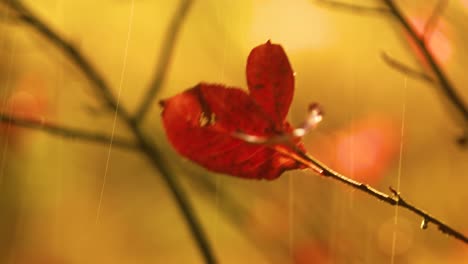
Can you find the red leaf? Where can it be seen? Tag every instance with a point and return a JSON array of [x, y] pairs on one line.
[[271, 80], [203, 121]]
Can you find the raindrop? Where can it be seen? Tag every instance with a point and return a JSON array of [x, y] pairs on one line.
[[424, 223]]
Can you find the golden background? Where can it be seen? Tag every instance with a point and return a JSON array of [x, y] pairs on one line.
[[70, 201]]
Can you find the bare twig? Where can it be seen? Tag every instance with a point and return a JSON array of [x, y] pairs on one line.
[[434, 19], [67, 132], [405, 69], [426, 217], [147, 148], [354, 7], [445, 84], [167, 48], [394, 200]]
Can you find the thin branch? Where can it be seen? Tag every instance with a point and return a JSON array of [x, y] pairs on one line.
[[434, 19], [405, 69], [426, 217], [147, 148], [394, 200], [154, 155], [66, 132], [166, 52], [69, 50], [354, 8], [447, 87]]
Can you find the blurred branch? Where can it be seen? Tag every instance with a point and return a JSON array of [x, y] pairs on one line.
[[146, 146], [405, 69], [353, 7], [441, 78], [395, 199], [463, 139], [434, 19], [447, 87], [166, 52], [232, 210], [71, 133], [26, 15]]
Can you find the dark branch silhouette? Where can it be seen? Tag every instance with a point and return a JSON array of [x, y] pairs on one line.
[[66, 132], [167, 49], [146, 146], [420, 40], [69, 50], [405, 69], [444, 83], [354, 7]]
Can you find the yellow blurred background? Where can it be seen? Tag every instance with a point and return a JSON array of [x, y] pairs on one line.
[[69, 201]]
